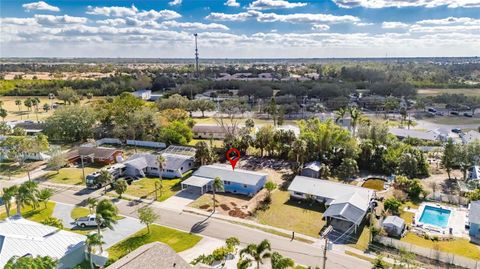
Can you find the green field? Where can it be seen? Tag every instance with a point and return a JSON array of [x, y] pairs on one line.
[[38, 215], [176, 239], [433, 92]]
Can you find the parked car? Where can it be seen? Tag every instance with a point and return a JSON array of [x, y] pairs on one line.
[[439, 113], [457, 130], [468, 114], [431, 109], [454, 113], [87, 221]]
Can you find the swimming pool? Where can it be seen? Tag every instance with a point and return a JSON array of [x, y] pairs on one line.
[[435, 216]]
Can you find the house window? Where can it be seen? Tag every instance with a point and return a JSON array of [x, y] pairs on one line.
[[245, 186]]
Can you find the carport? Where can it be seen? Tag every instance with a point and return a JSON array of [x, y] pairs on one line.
[[196, 184]]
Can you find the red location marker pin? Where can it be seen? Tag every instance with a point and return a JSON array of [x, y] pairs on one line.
[[233, 160]]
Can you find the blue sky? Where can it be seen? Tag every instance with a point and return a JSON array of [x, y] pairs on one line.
[[240, 28]]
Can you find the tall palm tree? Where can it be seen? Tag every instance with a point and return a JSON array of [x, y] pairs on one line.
[[91, 203], [26, 195], [44, 195], [340, 114], [161, 164], [8, 194], [257, 252], [93, 240], [356, 117], [106, 213], [217, 184]]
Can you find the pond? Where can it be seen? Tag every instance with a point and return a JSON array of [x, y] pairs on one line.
[[374, 184]]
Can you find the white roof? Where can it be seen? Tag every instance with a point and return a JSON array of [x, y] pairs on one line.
[[315, 166], [197, 181], [423, 135], [226, 173], [394, 220], [19, 237]]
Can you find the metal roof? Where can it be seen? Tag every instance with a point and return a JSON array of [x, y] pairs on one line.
[[474, 214], [315, 166], [175, 161], [181, 150], [423, 135], [197, 181], [226, 173], [394, 220], [21, 237], [172, 161]]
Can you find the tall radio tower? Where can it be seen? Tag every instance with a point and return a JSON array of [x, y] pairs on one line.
[[196, 57]]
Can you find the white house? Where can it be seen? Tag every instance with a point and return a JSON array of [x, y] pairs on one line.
[[143, 94], [346, 204], [19, 237]]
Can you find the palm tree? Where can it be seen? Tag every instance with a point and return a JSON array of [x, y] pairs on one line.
[[91, 203], [104, 178], [280, 262], [3, 113], [26, 195], [161, 164], [106, 213], [8, 194], [356, 118], [18, 103], [93, 240], [44, 195], [257, 252], [217, 184], [340, 114]]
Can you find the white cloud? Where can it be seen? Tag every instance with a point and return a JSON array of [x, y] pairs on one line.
[[394, 25], [273, 4], [232, 3], [320, 27], [445, 28], [40, 5], [291, 18], [112, 22], [407, 3], [53, 20], [113, 11], [363, 23], [18, 21], [450, 21], [175, 2], [194, 25]]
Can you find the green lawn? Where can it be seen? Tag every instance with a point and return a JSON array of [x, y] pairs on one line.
[[453, 120], [176, 239], [69, 175], [458, 246], [78, 212], [145, 188], [292, 215], [37, 215], [9, 169], [363, 235]]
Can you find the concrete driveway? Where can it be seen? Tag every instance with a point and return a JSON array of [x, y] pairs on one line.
[[123, 229], [180, 200], [63, 211]]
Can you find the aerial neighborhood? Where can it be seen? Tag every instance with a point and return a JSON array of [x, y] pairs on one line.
[[272, 161]]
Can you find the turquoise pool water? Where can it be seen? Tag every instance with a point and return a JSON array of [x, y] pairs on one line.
[[435, 216]]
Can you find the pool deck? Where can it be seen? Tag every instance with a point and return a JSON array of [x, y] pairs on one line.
[[456, 221]]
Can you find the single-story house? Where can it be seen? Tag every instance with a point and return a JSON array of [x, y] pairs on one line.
[[311, 169], [422, 135], [19, 237], [143, 94], [30, 127], [394, 226], [346, 204], [474, 219], [101, 155], [234, 181], [203, 131], [146, 164], [152, 256]]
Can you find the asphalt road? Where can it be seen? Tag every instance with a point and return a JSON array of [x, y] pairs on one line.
[[303, 253]]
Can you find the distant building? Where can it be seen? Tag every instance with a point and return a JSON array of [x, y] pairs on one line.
[[100, 155], [394, 226], [474, 219], [236, 181], [201, 131], [152, 256], [143, 94], [20, 237], [30, 127], [346, 204], [311, 169], [422, 135]]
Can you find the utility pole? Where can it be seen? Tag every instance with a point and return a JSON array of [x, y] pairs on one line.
[[325, 236], [197, 74]]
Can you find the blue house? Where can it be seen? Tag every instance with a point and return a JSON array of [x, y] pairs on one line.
[[474, 219], [234, 181]]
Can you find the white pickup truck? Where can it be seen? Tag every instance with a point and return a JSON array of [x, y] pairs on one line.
[[89, 220]]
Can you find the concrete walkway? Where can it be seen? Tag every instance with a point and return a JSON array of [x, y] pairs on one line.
[[63, 211]]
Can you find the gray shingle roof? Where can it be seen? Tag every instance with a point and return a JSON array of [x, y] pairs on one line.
[[346, 211], [175, 161], [394, 220], [423, 135], [226, 173], [474, 214], [139, 163]]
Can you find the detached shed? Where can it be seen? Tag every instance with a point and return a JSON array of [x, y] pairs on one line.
[[394, 226]]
